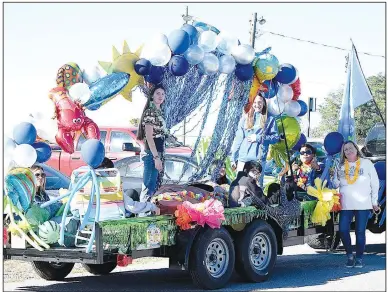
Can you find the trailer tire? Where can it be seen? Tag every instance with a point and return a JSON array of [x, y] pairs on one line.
[[212, 259], [52, 271], [317, 241], [256, 252], [100, 269]]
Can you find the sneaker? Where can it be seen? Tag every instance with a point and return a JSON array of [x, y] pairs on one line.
[[358, 263], [350, 262]]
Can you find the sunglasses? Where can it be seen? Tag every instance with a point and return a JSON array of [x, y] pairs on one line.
[[308, 152], [40, 175]]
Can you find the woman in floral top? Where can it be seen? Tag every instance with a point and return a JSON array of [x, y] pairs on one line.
[[152, 129]]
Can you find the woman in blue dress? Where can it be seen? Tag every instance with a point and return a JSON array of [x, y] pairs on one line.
[[256, 131]]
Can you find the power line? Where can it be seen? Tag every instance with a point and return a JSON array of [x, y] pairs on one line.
[[320, 44]]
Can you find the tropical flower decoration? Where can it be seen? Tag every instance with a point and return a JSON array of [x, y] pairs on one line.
[[183, 218], [326, 200], [337, 203], [210, 212]]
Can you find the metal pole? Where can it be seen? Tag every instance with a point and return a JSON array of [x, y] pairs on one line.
[[186, 19], [253, 31], [308, 127]]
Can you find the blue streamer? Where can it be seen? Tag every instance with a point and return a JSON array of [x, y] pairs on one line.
[[90, 205], [325, 174], [80, 184], [96, 192]]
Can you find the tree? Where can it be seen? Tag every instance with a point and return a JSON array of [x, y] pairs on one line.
[[366, 115]]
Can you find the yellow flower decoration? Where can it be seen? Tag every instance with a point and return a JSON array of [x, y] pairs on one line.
[[326, 200], [24, 225], [13, 229]]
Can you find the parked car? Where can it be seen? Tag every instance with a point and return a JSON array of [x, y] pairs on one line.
[[55, 180], [375, 143], [132, 168], [113, 139]]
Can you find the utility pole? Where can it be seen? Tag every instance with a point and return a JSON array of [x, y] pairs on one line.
[[186, 18], [253, 29], [312, 107]]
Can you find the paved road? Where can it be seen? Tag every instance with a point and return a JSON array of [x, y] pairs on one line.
[[300, 268]]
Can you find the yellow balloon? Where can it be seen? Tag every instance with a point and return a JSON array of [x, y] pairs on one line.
[[125, 63], [292, 132]]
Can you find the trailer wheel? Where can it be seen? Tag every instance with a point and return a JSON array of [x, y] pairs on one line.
[[101, 269], [52, 271], [212, 259], [317, 241], [256, 252]]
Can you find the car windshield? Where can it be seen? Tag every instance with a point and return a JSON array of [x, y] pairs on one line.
[[55, 179], [375, 140]]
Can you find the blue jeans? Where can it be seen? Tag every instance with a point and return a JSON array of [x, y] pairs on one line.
[[346, 217], [150, 177]]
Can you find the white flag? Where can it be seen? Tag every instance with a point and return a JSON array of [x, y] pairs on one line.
[[359, 90]]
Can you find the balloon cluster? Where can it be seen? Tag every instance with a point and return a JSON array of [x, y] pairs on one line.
[[24, 150], [200, 45], [279, 84]]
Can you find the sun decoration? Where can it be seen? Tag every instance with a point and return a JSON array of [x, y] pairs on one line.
[[356, 172], [125, 63]]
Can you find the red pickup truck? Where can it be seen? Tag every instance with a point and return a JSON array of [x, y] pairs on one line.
[[113, 139]]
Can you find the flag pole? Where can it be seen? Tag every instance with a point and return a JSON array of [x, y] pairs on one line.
[[374, 101]]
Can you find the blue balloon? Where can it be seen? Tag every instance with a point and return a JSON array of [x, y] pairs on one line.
[[143, 67], [272, 86], [303, 108], [381, 170], [94, 107], [106, 87], [43, 151], [93, 152], [24, 133], [155, 76], [204, 26], [192, 31], [302, 140], [287, 74], [178, 65], [333, 143], [178, 41], [244, 72]]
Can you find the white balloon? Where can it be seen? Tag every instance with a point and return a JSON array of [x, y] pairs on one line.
[[158, 54], [209, 65], [80, 91], [9, 146], [226, 42], [9, 163], [158, 39], [24, 155], [227, 64], [275, 107], [91, 74], [292, 108], [285, 93], [194, 55], [243, 54], [208, 41]]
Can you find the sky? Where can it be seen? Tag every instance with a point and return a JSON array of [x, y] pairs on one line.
[[40, 38]]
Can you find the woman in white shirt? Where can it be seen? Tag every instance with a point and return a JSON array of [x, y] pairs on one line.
[[358, 182]]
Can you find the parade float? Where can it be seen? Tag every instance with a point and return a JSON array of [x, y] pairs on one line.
[[196, 64]]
